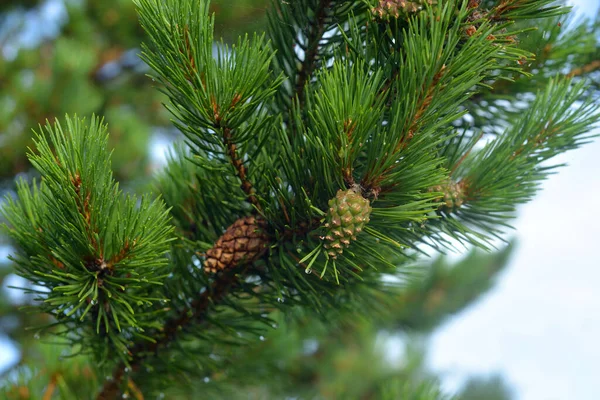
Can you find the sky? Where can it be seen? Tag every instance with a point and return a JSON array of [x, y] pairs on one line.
[[540, 325]]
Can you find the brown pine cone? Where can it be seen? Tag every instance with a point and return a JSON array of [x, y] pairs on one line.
[[244, 241]]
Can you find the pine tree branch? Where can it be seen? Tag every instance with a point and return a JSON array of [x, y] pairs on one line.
[[425, 101], [196, 313], [315, 35], [225, 284], [585, 69], [496, 14], [507, 10], [234, 157], [50, 388], [371, 183], [466, 154], [479, 199], [502, 86], [238, 164]]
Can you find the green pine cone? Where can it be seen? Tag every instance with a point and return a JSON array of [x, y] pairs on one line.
[[348, 214], [454, 195], [393, 9]]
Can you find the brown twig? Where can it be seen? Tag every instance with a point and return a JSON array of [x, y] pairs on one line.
[[317, 29], [585, 69], [347, 169], [49, 392], [134, 389], [503, 86], [425, 103], [240, 168], [371, 183], [497, 13], [231, 147]]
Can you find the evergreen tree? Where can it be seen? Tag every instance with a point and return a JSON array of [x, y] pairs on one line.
[[319, 161]]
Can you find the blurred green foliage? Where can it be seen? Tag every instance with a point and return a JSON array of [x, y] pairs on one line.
[[92, 67]]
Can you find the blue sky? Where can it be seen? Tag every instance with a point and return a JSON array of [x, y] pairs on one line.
[[540, 326]]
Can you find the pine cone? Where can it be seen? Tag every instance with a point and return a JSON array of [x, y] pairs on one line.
[[348, 214], [387, 9], [244, 241], [454, 195]]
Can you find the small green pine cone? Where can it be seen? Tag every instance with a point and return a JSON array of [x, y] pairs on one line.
[[348, 214], [388, 9], [453, 197]]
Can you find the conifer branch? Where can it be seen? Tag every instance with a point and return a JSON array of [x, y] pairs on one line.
[[196, 313], [231, 147], [315, 34], [496, 14], [585, 69], [238, 164], [401, 140], [424, 101], [502, 87], [508, 9], [371, 183], [479, 199], [466, 154]]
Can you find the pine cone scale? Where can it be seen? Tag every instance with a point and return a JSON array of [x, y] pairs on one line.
[[244, 241]]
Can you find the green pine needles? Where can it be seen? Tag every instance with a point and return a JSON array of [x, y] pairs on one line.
[[385, 102], [96, 254]]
